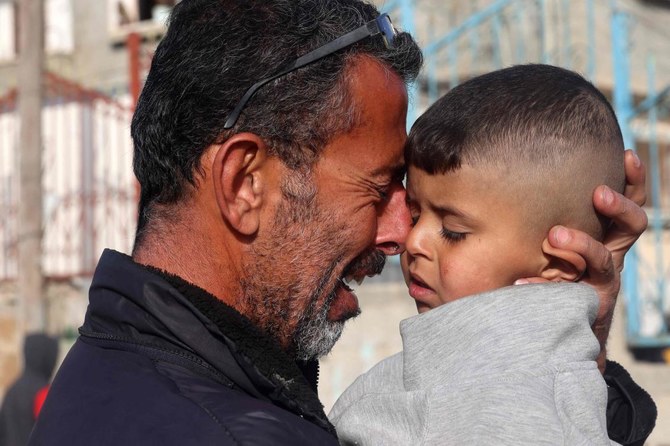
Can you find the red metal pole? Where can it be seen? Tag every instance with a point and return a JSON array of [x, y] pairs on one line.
[[134, 66]]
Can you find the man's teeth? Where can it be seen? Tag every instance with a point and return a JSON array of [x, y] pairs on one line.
[[348, 279]]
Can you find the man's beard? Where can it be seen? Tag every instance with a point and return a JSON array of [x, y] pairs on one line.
[[316, 335], [282, 293]]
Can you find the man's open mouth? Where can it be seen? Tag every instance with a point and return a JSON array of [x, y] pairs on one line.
[[345, 304], [367, 265], [347, 284]]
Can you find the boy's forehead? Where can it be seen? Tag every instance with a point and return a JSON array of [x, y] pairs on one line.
[[465, 178], [469, 191]]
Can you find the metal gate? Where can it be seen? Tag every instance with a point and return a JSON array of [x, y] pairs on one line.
[[645, 126], [89, 188]]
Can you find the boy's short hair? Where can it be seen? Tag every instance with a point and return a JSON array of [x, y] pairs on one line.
[[552, 131]]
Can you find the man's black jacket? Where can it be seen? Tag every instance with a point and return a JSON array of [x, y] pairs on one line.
[[162, 362], [631, 413]]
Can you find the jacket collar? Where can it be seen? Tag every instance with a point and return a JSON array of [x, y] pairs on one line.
[[192, 319]]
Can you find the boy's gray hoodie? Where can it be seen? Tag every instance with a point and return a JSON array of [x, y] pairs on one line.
[[515, 366]]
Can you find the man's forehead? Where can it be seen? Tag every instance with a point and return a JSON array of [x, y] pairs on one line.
[[374, 147]]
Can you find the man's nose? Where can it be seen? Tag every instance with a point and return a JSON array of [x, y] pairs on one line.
[[393, 222]]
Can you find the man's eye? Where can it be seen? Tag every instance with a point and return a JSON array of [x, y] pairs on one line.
[[451, 236], [383, 193]]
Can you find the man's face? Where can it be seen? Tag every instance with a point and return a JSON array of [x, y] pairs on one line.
[[469, 236], [348, 213]]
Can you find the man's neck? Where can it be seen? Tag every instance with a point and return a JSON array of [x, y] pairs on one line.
[[187, 250]]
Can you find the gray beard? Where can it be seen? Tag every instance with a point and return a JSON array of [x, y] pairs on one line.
[[316, 335], [313, 335]]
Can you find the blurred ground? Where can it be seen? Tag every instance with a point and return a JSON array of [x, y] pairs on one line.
[[374, 335]]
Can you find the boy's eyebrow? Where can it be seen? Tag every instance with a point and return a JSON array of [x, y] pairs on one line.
[[443, 210], [448, 210]]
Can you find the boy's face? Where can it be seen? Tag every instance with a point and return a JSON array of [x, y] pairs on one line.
[[469, 236]]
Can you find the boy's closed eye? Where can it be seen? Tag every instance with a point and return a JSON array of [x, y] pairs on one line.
[[452, 236]]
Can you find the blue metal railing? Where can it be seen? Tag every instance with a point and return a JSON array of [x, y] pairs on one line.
[[643, 295]]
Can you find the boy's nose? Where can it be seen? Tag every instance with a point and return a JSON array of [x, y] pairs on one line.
[[417, 241], [393, 222]]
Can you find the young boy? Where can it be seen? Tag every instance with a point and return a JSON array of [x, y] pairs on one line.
[[492, 166]]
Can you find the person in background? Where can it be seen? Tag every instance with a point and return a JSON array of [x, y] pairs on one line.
[[25, 396]]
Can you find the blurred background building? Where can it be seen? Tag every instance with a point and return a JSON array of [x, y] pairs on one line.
[[97, 53]]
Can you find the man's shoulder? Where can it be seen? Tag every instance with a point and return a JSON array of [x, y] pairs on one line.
[[135, 399]]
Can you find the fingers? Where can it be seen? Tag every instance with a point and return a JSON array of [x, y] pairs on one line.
[[610, 203], [625, 211], [628, 219], [635, 178], [596, 255], [605, 260], [601, 273]]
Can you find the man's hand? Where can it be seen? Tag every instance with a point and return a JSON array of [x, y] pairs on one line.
[[604, 261]]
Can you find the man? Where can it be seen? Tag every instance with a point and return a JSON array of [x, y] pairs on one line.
[[268, 145]]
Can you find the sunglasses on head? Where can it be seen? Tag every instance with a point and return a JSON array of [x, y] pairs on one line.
[[381, 25]]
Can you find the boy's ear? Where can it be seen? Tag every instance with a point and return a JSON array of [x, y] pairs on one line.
[[238, 181], [563, 265]]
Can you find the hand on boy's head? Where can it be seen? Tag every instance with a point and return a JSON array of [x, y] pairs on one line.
[[628, 218], [604, 261]]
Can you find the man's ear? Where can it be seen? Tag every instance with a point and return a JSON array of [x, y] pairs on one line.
[[238, 181], [563, 265]]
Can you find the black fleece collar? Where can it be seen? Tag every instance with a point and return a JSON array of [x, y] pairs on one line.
[[284, 382]]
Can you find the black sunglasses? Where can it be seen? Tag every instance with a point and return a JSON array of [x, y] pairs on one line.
[[381, 25]]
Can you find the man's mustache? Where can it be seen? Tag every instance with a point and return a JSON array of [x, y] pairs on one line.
[[370, 264]]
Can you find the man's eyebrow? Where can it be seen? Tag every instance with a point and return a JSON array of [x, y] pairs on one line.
[[396, 172], [399, 173]]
